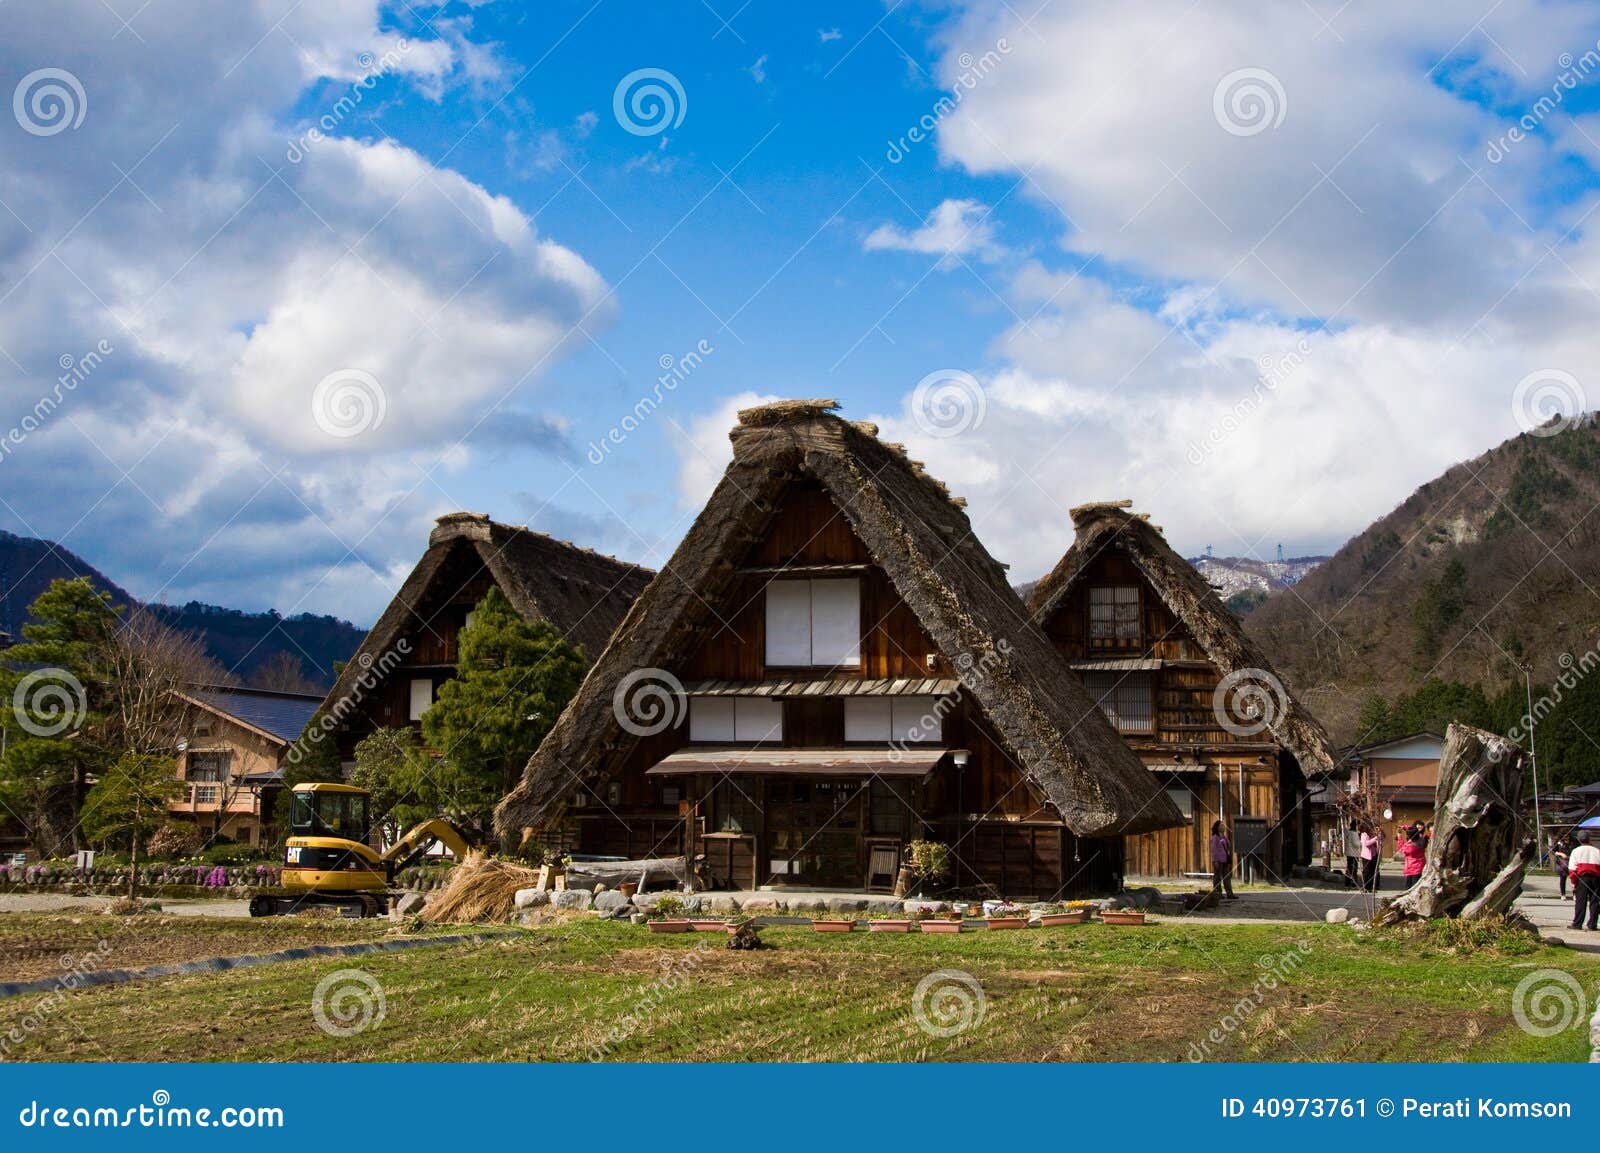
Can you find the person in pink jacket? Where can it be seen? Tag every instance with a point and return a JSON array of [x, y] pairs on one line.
[[1413, 853], [1371, 846]]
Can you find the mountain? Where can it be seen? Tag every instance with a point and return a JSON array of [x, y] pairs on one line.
[[1496, 562], [1245, 582], [260, 649]]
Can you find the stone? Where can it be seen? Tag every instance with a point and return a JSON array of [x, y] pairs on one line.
[[919, 906], [571, 899], [599, 888], [760, 906], [531, 898], [719, 906], [846, 904], [409, 903], [1141, 898], [1336, 916], [611, 901], [638, 918]]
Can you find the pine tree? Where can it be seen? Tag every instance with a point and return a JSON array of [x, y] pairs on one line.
[[513, 678]]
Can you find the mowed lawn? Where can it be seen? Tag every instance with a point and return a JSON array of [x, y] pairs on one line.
[[583, 989]]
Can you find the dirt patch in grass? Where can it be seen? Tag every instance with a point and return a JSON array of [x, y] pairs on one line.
[[35, 946]]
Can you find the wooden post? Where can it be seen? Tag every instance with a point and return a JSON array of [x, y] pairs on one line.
[[1478, 854]]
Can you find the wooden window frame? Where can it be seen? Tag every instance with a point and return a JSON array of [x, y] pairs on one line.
[[1114, 642]]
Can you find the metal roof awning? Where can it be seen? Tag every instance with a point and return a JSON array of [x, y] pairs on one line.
[[915, 761], [832, 687], [1174, 767], [1119, 665]]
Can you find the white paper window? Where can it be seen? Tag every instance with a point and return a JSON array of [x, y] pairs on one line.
[[757, 719], [814, 623], [789, 623], [735, 719], [421, 697], [867, 719], [836, 622], [711, 719], [904, 719], [1184, 799]]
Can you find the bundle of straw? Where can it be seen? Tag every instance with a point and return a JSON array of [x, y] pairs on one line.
[[480, 889]]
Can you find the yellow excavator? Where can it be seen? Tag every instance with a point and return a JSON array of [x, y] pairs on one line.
[[329, 863]]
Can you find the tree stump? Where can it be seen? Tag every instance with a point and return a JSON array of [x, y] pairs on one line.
[[1478, 854]]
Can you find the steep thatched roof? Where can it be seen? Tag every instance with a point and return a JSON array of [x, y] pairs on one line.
[[584, 594], [1192, 599], [923, 541]]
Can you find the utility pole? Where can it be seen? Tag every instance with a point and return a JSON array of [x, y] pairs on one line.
[[1533, 761]]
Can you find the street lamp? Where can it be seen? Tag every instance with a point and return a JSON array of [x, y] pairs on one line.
[[1533, 761]]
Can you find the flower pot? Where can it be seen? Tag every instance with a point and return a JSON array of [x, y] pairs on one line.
[[1122, 917], [941, 926], [707, 924], [889, 926], [628, 889], [1076, 917], [1007, 922], [826, 926], [668, 926]]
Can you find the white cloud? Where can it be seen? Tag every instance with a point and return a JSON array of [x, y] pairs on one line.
[[1393, 330], [704, 449], [954, 229], [241, 261]]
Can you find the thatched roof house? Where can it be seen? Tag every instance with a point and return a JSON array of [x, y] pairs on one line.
[[1177, 668], [894, 523], [412, 648]]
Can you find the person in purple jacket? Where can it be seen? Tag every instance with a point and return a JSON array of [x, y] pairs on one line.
[[1221, 861]]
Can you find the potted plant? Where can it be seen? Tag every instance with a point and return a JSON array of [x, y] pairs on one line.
[[1122, 916], [928, 862], [1007, 916], [833, 924], [667, 915], [889, 923], [702, 923], [930, 921], [1071, 913]]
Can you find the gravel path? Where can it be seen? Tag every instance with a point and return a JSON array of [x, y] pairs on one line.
[[63, 903]]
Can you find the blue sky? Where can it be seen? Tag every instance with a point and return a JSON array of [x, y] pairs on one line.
[[1261, 271]]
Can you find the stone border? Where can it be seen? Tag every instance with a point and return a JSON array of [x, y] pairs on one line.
[[76, 981]]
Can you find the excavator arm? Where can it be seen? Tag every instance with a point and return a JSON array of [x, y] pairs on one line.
[[416, 840]]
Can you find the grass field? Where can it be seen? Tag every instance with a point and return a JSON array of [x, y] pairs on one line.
[[582, 989]]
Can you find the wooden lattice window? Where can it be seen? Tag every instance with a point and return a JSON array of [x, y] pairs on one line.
[[1114, 617], [1125, 698]]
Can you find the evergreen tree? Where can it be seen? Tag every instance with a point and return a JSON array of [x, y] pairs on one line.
[[513, 678], [131, 800]]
